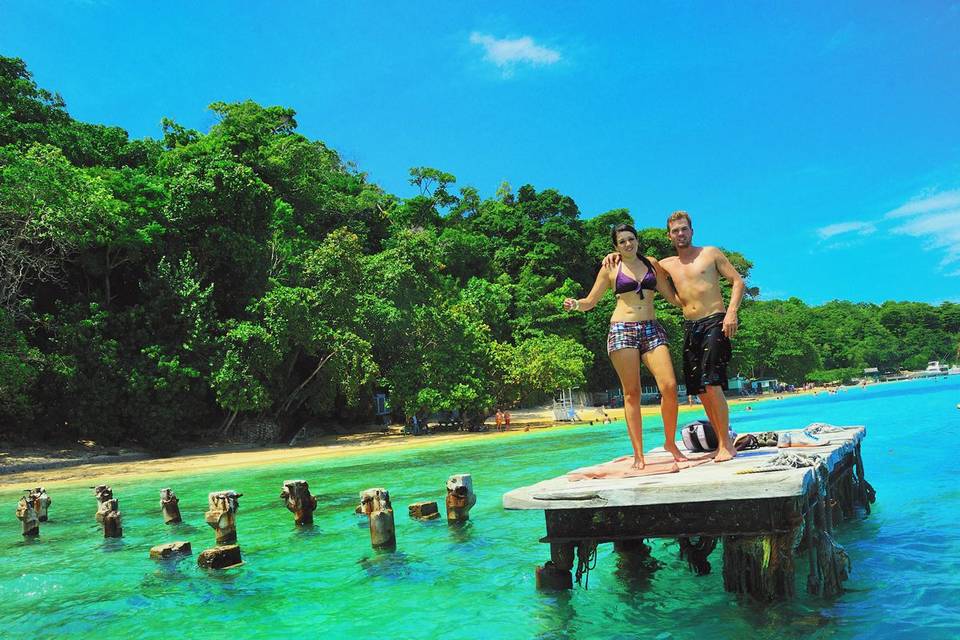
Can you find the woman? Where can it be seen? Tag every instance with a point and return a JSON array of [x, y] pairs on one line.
[[635, 335]]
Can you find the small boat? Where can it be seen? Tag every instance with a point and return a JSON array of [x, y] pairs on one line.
[[934, 369], [954, 370]]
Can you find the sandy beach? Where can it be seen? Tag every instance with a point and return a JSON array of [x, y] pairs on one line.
[[23, 468]]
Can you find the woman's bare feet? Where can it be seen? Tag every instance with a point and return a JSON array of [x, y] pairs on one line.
[[672, 449], [638, 462], [724, 454]]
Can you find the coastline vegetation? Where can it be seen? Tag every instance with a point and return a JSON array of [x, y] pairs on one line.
[[151, 289]]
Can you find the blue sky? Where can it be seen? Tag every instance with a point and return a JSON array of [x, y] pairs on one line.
[[822, 141]]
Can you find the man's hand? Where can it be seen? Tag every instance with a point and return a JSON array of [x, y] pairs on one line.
[[730, 324], [611, 260]]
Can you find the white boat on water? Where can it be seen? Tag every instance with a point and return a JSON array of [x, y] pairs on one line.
[[934, 368], [954, 370]]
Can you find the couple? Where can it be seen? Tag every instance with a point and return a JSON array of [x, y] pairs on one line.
[[691, 280]]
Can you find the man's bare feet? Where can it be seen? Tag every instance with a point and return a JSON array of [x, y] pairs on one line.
[[724, 454], [638, 463], [672, 449]]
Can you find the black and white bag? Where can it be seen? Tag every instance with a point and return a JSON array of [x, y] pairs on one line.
[[699, 436]]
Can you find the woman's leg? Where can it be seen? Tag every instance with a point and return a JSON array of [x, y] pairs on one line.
[[627, 364], [659, 364]]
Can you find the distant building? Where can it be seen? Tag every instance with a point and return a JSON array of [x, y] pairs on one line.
[[768, 385], [739, 384], [871, 373]]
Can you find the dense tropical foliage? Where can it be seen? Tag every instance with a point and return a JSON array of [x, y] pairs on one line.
[[154, 289]]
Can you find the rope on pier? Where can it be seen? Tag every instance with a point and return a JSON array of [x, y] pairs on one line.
[[696, 551], [784, 461], [821, 427], [586, 561], [832, 562]]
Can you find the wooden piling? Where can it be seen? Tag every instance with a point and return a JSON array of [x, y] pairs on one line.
[[222, 515], [27, 515], [814, 579], [460, 497], [556, 574], [296, 496], [170, 507], [375, 503], [760, 566], [41, 503], [108, 512]]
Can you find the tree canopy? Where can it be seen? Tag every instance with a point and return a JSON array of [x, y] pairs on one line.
[[151, 290]]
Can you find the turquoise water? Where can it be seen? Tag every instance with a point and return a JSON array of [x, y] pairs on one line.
[[478, 581]]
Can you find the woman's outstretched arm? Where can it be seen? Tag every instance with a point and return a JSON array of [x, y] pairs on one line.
[[600, 286]]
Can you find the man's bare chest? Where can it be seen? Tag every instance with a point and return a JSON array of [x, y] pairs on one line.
[[699, 273]]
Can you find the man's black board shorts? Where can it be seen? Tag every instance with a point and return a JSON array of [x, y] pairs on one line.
[[706, 352]]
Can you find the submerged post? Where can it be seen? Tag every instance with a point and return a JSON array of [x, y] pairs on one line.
[[296, 495], [555, 574], [27, 515], [222, 515], [170, 550], [41, 502], [424, 511], [375, 503], [169, 506], [108, 513], [460, 497], [760, 566]]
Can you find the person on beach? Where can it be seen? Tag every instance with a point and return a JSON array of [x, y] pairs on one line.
[[695, 273], [635, 335], [506, 420], [499, 420]]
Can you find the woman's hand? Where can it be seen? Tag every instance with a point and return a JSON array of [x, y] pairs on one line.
[[571, 304]]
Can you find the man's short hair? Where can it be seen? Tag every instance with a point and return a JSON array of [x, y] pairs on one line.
[[679, 215]]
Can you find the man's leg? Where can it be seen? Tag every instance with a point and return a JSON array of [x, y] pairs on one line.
[[715, 404]]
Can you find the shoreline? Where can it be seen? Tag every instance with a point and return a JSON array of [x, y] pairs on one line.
[[43, 467]]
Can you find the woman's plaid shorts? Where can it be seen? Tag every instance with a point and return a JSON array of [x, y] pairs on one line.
[[644, 336]]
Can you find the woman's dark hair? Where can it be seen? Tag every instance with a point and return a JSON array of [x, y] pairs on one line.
[[622, 227]]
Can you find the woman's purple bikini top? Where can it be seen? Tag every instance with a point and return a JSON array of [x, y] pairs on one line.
[[626, 284]]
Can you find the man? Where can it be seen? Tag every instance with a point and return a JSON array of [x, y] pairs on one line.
[[709, 324]]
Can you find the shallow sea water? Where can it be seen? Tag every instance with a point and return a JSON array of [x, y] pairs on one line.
[[478, 581]]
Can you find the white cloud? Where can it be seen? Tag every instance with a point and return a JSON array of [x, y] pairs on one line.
[[927, 204], [507, 52], [860, 228], [940, 231]]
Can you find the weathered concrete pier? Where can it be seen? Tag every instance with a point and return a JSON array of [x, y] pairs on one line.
[[763, 518]]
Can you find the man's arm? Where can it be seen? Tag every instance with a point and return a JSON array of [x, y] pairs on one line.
[[610, 260], [730, 321], [665, 285]]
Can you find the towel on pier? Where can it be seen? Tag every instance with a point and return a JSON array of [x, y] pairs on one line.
[[656, 464]]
